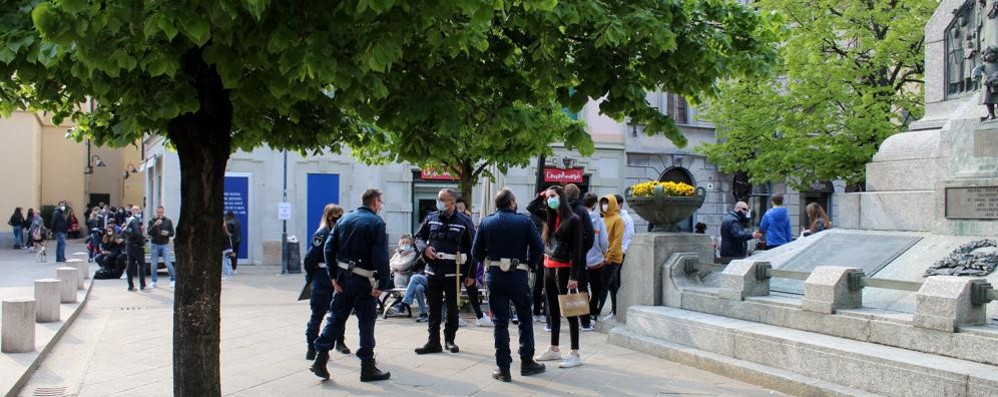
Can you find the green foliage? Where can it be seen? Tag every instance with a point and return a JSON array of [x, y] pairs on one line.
[[849, 76]]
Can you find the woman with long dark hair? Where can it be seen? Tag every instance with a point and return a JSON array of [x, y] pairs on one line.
[[817, 219], [322, 285], [564, 264], [17, 223], [28, 243]]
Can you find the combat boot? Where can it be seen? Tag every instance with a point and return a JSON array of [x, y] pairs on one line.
[[369, 372], [429, 348], [319, 366], [310, 354], [341, 347], [451, 347], [531, 367], [502, 375]]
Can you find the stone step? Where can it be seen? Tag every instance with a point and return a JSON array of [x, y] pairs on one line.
[[746, 371], [852, 364]]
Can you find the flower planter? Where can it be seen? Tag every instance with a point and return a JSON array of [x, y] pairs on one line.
[[665, 212]]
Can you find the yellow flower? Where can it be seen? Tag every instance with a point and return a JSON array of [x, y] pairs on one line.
[[647, 189]]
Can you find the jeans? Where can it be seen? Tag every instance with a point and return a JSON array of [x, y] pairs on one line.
[[226, 264], [356, 297], [18, 236], [506, 288], [60, 247], [157, 251], [416, 290]]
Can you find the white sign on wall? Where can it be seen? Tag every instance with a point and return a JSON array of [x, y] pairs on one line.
[[283, 211]]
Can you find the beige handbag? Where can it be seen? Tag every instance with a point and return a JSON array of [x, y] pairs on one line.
[[574, 304]]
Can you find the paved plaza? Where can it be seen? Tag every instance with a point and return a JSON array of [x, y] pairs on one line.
[[121, 345]]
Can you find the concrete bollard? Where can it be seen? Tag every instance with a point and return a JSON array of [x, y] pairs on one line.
[[743, 278], [67, 280], [18, 330], [83, 264], [47, 297], [830, 288], [81, 271]]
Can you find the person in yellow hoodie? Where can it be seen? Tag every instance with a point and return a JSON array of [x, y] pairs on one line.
[[610, 210]]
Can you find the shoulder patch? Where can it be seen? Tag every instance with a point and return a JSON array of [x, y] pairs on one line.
[[318, 239]]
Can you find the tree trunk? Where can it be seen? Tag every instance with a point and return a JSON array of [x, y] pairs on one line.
[[467, 183], [203, 143]]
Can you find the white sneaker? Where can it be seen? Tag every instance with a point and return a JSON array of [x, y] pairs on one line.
[[548, 355], [608, 317], [123, 276], [173, 284], [573, 360], [152, 285], [485, 321], [540, 319], [547, 327], [588, 328], [462, 323]]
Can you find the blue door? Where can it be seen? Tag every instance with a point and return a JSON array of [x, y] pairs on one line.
[[237, 201], [322, 189]]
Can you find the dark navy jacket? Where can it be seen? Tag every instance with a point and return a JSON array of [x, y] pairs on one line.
[[446, 234], [316, 252], [359, 236], [734, 237], [507, 234], [59, 224]]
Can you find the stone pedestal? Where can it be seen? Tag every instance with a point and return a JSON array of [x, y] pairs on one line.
[[68, 277], [741, 278], [80, 274], [641, 276], [18, 330], [829, 288], [945, 302], [83, 265], [47, 297]]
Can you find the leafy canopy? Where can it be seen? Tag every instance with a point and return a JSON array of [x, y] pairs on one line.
[[849, 76]]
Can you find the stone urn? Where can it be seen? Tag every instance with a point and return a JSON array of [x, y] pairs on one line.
[[664, 211]]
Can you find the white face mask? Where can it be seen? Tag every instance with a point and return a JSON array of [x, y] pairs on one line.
[[441, 206], [605, 207]]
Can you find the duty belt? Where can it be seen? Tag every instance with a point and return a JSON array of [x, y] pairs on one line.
[[368, 274], [451, 257], [430, 272], [507, 264]]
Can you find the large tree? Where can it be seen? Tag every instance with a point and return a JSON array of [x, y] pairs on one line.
[[214, 76], [849, 76]]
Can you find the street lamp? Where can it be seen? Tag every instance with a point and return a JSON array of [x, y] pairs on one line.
[[129, 169]]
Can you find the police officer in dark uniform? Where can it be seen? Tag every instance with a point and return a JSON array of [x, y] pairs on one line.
[[444, 234], [357, 261], [322, 286], [510, 246]]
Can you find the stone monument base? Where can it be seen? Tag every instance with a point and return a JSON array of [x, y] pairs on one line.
[[641, 276]]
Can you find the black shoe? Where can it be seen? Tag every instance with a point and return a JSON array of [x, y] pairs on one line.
[[131, 289], [531, 367], [369, 372], [429, 348], [451, 347], [319, 366], [342, 347], [310, 354], [502, 375]]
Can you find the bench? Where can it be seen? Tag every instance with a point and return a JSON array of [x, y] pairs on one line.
[[391, 298]]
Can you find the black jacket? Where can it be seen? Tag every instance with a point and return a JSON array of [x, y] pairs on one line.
[[133, 233], [154, 231], [588, 234], [16, 220], [566, 242], [447, 235], [316, 252], [59, 224], [734, 237]]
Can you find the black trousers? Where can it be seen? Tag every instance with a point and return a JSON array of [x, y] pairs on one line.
[[595, 281], [556, 283], [136, 264], [539, 293], [235, 254], [441, 290]]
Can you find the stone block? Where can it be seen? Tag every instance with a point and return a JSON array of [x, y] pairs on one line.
[[741, 279], [86, 268], [945, 303], [892, 211], [67, 283], [896, 176], [81, 272], [47, 297], [829, 288], [985, 143], [846, 214], [17, 334], [649, 253]]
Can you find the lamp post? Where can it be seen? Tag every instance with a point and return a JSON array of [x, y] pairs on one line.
[[284, 223]]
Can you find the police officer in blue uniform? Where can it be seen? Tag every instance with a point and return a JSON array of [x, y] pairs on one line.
[[357, 261], [445, 234], [322, 286], [510, 246]]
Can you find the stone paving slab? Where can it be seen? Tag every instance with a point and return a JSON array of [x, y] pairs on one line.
[[121, 346]]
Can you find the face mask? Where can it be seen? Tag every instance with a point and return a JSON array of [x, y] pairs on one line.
[[554, 202], [63, 208], [405, 247], [441, 206], [605, 207]]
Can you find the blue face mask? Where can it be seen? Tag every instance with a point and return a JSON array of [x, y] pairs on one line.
[[405, 247], [441, 206], [554, 203]]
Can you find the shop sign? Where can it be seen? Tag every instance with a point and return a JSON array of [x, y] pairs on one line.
[[559, 175], [432, 175]]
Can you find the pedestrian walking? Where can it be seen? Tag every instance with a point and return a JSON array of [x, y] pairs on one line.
[[564, 263], [36, 232], [444, 239], [509, 245], [59, 228], [235, 232], [16, 222], [357, 260], [134, 242], [160, 231], [322, 286]]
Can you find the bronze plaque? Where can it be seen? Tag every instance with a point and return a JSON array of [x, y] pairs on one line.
[[972, 202]]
